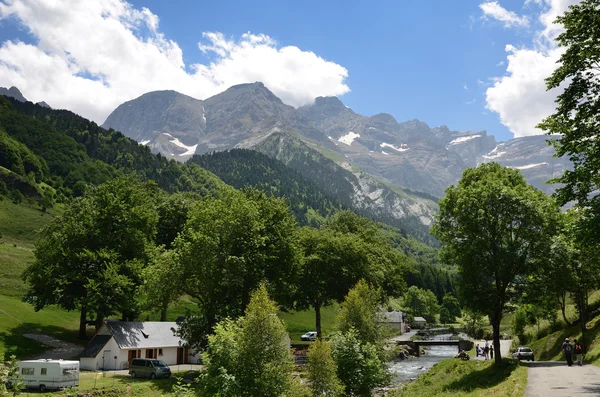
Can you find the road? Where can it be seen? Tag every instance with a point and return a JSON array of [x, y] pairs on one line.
[[556, 379]]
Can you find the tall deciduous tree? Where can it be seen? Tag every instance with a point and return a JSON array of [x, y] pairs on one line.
[[229, 246], [91, 258], [321, 370], [360, 311], [576, 116], [349, 248], [494, 227]]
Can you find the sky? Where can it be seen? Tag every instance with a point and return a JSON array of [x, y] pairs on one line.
[[468, 64]]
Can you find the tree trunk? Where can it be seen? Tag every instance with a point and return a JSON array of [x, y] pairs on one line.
[[496, 317], [99, 322], [83, 323], [163, 313], [318, 318], [563, 306]]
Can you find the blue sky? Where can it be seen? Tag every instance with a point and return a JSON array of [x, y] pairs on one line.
[[430, 60]]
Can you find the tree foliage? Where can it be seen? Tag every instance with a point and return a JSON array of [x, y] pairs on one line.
[[420, 302], [578, 105], [91, 258], [360, 311], [10, 382], [360, 366], [229, 246], [321, 370], [249, 356], [333, 259], [494, 227]]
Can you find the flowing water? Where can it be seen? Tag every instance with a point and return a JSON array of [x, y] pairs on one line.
[[407, 370]]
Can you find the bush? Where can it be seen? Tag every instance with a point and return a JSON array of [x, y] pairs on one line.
[[322, 371], [360, 367]]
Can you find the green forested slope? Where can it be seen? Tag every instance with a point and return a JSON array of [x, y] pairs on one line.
[[241, 168]]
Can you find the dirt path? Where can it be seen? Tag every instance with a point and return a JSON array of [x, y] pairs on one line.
[[62, 350], [556, 379]]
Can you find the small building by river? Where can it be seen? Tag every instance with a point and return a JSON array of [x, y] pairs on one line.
[[419, 322]]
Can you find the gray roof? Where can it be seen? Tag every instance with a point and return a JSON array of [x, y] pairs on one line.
[[95, 346], [420, 320], [392, 317], [144, 335]]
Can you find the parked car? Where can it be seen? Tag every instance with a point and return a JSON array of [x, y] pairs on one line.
[[149, 368], [524, 353], [309, 336]]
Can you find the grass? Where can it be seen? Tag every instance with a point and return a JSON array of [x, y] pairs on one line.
[[18, 318], [299, 323], [455, 378], [106, 384], [20, 227]]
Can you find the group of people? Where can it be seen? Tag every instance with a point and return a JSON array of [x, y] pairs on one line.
[[569, 349], [487, 351]]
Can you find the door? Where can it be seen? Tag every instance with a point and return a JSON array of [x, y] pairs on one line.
[[107, 360], [180, 355], [131, 354], [149, 353]]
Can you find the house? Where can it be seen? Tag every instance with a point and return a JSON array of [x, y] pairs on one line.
[[394, 319], [116, 343], [419, 322]]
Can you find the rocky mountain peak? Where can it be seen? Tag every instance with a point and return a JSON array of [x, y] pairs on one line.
[[248, 92], [13, 92]]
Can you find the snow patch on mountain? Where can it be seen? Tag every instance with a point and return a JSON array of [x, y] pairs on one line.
[[349, 138], [494, 154], [463, 139], [387, 154], [528, 166], [190, 149], [145, 142], [403, 147]]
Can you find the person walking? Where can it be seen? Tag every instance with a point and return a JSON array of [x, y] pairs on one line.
[[486, 350], [567, 348], [579, 352], [491, 352], [477, 350]]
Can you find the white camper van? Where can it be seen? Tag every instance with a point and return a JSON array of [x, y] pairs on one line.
[[49, 374]]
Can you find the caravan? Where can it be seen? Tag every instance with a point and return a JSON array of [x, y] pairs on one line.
[[49, 374]]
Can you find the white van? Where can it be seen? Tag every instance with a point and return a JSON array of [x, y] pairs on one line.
[[49, 374]]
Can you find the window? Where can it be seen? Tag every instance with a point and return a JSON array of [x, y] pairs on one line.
[[44, 371], [160, 352], [27, 371]]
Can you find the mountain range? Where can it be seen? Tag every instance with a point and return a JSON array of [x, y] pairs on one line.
[[405, 154]]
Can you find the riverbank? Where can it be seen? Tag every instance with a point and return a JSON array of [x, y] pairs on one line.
[[452, 377]]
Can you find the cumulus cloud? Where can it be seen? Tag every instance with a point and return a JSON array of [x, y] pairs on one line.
[[520, 97], [90, 56], [493, 9]]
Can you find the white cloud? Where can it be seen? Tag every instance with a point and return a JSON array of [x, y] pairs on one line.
[[472, 101], [520, 97], [465, 86], [493, 9], [90, 56], [501, 63]]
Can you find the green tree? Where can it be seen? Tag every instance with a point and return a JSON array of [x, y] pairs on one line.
[[229, 246], [10, 383], [161, 281], [473, 323], [360, 366], [91, 258], [321, 371], [576, 117], [518, 324], [445, 316], [494, 227], [360, 311], [333, 259], [419, 302], [249, 356], [451, 304]]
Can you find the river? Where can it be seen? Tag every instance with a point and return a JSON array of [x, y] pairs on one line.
[[409, 369]]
